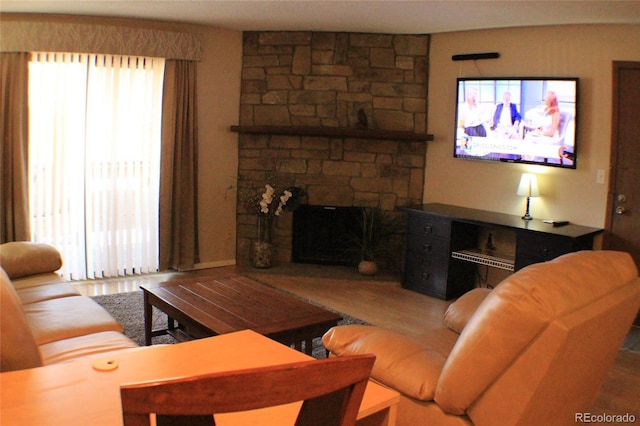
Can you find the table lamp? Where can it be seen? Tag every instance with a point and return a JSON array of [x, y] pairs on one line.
[[528, 188]]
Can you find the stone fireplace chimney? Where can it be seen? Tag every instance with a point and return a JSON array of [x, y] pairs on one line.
[[343, 115]]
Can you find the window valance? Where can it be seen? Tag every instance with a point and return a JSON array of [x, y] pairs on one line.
[[30, 36]]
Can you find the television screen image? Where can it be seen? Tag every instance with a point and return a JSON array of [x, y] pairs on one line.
[[526, 120]]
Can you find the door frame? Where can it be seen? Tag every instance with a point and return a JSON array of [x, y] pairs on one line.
[[613, 159]]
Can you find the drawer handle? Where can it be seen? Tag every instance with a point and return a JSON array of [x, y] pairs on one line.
[[427, 247], [428, 229], [426, 276]]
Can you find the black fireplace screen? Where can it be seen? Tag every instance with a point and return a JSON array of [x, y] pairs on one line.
[[321, 234]]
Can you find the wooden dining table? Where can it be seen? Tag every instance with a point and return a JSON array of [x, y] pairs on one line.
[[87, 391]]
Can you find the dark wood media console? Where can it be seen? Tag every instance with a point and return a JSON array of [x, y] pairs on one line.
[[442, 246]]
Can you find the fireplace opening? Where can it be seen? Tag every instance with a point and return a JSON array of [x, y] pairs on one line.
[[321, 234]]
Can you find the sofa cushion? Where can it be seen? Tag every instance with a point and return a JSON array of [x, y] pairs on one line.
[[458, 313], [401, 362], [37, 280], [46, 292], [23, 258], [68, 317], [18, 349], [84, 346]]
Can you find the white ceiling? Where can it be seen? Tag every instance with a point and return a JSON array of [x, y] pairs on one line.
[[378, 16]]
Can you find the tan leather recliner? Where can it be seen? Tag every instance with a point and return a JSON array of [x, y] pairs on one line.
[[533, 351]]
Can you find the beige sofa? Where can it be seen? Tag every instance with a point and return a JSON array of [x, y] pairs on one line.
[[43, 319], [533, 351]]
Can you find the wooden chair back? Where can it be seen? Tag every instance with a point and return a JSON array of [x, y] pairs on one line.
[[332, 390]]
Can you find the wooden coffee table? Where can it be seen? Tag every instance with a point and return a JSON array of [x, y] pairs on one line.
[[209, 306]]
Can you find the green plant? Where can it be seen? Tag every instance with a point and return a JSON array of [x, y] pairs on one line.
[[371, 240]]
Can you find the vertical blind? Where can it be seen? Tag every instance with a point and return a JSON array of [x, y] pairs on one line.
[[94, 160]]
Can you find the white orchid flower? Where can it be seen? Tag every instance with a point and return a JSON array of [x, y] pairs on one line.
[[269, 189]]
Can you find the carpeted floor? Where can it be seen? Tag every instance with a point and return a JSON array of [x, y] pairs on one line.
[[128, 310], [632, 341]]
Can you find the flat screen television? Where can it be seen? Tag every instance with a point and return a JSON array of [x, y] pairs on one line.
[[537, 127]]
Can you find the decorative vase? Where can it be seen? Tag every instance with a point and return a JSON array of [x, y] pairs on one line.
[[367, 267], [262, 253]]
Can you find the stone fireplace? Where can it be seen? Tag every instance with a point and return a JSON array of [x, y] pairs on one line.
[[342, 115]]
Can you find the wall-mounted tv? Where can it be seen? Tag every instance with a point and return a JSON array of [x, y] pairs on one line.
[[526, 120]]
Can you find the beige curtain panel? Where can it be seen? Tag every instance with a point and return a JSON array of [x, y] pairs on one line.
[[178, 169], [14, 195]]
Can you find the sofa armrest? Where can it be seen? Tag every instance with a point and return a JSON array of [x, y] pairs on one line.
[[459, 312], [24, 258], [19, 348], [402, 363]]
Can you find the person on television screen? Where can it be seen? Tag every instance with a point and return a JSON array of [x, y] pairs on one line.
[[506, 118], [546, 129], [549, 124], [470, 117]]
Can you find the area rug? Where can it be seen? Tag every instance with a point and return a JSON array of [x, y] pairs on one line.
[[128, 310]]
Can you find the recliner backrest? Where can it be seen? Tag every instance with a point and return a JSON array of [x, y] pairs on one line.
[[559, 375], [544, 306]]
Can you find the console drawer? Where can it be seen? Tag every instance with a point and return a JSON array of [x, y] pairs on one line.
[[428, 246], [425, 275], [428, 225], [535, 248]]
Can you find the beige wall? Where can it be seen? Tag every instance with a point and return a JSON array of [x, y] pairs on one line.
[[572, 51], [218, 108]]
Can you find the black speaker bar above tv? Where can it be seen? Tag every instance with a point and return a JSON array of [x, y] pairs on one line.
[[474, 56]]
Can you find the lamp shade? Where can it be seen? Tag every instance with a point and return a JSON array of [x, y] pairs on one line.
[[528, 186]]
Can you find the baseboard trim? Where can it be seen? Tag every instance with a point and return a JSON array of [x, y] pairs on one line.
[[216, 264]]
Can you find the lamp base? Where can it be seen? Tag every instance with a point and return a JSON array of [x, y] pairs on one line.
[[527, 216]]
